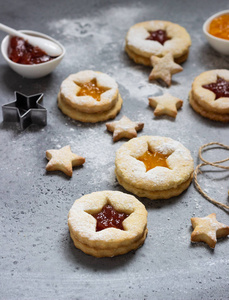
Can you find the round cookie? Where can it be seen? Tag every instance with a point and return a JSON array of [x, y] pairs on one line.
[[110, 241], [91, 118], [158, 182], [71, 86], [140, 49], [89, 96], [204, 101]]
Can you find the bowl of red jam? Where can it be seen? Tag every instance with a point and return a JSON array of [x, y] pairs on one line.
[[29, 61], [216, 31]]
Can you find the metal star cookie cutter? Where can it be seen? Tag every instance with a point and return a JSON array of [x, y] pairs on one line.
[[26, 110]]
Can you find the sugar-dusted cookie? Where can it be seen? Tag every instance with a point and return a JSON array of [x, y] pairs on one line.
[[157, 38], [89, 96], [163, 68], [154, 167], [208, 229], [63, 160], [165, 105], [209, 95], [107, 223], [124, 128]]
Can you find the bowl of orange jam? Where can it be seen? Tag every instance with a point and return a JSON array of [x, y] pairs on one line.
[[216, 30]]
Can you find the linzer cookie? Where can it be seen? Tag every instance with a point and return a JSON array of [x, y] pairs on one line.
[[89, 96], [154, 167], [209, 95], [157, 38], [107, 223]]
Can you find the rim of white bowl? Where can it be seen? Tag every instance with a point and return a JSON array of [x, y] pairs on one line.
[[207, 22], [35, 33]]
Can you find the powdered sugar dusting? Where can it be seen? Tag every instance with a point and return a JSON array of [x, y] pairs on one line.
[[133, 171]]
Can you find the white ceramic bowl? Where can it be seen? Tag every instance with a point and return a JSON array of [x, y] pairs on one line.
[[35, 70], [220, 45]]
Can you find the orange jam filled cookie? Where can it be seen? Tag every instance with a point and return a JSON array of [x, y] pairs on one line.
[[89, 96], [209, 95], [107, 223], [154, 167], [157, 38]]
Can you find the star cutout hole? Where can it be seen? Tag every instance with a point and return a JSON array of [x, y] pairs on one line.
[[220, 88], [92, 89], [153, 159], [159, 36], [109, 217]]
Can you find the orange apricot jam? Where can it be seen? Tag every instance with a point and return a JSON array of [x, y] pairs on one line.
[[91, 89], [219, 27], [153, 159]]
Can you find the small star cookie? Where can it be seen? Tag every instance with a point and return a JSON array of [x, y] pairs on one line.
[[164, 68], [63, 160], [207, 229], [165, 105], [124, 128]]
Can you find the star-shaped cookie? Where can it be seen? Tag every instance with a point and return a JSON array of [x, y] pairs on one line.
[[164, 68], [124, 128], [165, 105], [63, 160], [207, 229]]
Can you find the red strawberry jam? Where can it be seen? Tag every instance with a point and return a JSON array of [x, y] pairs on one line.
[[159, 36], [220, 88], [21, 52], [109, 217]]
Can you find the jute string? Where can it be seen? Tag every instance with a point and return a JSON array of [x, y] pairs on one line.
[[214, 164]]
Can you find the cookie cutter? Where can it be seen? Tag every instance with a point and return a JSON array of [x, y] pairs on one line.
[[26, 110]]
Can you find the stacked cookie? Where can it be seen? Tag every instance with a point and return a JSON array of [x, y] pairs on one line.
[[168, 38], [209, 95], [89, 96], [158, 181], [111, 241]]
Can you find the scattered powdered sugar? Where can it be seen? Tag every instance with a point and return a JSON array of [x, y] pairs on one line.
[[72, 28], [169, 146]]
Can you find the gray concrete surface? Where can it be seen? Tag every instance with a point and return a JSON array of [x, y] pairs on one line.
[[37, 257]]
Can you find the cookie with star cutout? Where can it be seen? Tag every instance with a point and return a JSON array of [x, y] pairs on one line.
[[124, 128], [165, 105], [209, 95], [208, 229], [154, 167], [89, 96], [63, 160], [107, 223], [157, 38]]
